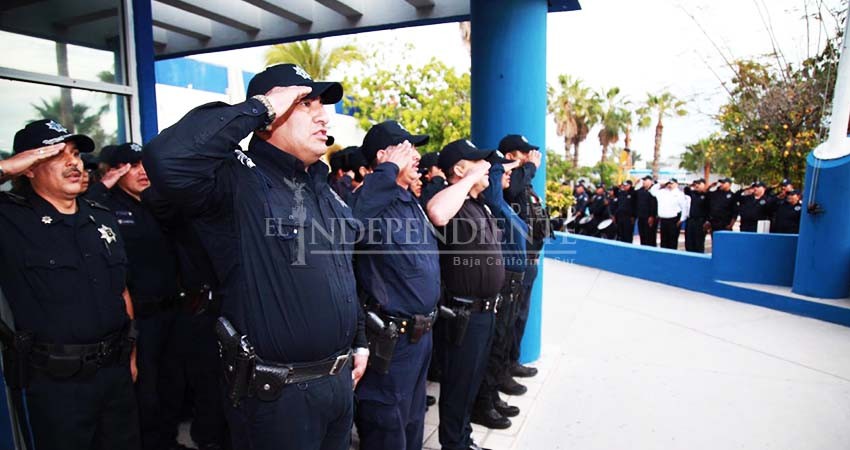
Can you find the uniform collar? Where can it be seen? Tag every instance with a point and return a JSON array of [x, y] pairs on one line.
[[119, 194], [268, 155], [48, 213]]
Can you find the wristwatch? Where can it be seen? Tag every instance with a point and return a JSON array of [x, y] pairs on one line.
[[271, 115]]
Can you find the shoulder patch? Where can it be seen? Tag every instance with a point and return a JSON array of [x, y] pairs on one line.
[[97, 205], [14, 198], [244, 159]]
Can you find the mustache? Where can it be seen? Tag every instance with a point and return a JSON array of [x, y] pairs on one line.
[[72, 171]]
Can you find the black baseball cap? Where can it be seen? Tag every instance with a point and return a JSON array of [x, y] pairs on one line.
[[337, 160], [428, 160], [627, 182], [329, 92], [785, 182], [699, 180], [127, 153], [353, 160], [89, 161], [758, 184], [386, 134], [648, 177], [724, 180], [793, 192], [48, 132], [458, 150], [513, 142]]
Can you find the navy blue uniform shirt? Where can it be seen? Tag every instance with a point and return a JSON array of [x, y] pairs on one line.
[[273, 229], [514, 229], [626, 204], [699, 203], [722, 206], [152, 274], [645, 204], [753, 209], [63, 275], [786, 218], [400, 267], [430, 189]]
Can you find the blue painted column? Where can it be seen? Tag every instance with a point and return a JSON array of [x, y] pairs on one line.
[[509, 97], [822, 268], [145, 71]]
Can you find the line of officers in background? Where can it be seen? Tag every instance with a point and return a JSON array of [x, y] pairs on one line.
[[258, 289], [662, 208]]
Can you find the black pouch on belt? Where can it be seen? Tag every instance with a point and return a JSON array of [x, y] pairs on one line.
[[269, 380], [382, 338]]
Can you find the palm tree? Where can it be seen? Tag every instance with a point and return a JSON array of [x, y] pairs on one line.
[[312, 58], [614, 117], [575, 110], [699, 157], [660, 106]]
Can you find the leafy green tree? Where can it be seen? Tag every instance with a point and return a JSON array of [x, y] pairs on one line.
[[575, 110], [315, 60], [659, 106], [703, 156], [432, 99]]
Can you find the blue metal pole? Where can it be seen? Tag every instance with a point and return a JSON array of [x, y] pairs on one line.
[[509, 97], [145, 72]]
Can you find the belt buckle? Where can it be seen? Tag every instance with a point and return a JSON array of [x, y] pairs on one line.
[[339, 363]]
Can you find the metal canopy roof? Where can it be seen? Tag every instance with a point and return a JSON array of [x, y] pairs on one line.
[[183, 27]]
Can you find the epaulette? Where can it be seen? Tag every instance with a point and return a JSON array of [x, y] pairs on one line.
[[14, 198], [97, 205]]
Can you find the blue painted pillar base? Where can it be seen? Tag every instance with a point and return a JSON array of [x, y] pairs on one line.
[[823, 248], [509, 96]]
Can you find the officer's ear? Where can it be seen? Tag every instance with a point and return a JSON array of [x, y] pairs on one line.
[[459, 169]]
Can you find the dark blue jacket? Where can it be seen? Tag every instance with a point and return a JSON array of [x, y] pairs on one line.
[[399, 267], [278, 236]]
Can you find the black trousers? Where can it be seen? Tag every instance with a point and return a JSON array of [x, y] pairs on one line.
[[695, 235], [316, 415], [97, 413], [192, 362], [720, 225], [390, 413], [749, 226], [499, 360], [625, 228], [463, 370], [669, 233], [524, 304], [155, 337], [647, 233]]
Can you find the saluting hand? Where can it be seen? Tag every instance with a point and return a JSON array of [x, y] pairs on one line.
[[283, 98], [478, 169], [402, 155], [111, 177], [535, 157], [28, 159]]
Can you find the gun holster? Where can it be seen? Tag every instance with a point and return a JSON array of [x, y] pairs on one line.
[[457, 325], [239, 360], [381, 345], [16, 360]]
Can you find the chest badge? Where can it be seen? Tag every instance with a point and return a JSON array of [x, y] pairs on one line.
[[728, 195], [107, 234], [47, 220]]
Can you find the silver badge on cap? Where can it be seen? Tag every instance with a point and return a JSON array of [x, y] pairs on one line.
[[302, 73], [55, 126], [524, 139], [136, 147], [469, 143]]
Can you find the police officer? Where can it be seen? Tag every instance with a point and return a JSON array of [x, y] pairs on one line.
[[473, 277], [152, 282], [755, 207], [786, 218], [339, 178], [599, 210], [399, 276], [64, 268], [490, 410], [647, 210], [580, 206], [722, 206], [626, 212], [527, 204], [290, 309], [697, 217]]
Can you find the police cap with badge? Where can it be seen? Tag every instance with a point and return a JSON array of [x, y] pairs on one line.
[[46, 132], [514, 142], [462, 149], [116, 155]]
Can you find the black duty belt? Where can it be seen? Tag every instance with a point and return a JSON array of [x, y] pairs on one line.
[[475, 304], [270, 377], [415, 326], [62, 361]]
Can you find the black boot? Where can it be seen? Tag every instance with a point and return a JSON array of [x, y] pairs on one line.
[[510, 386], [490, 418], [504, 408], [518, 370]]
